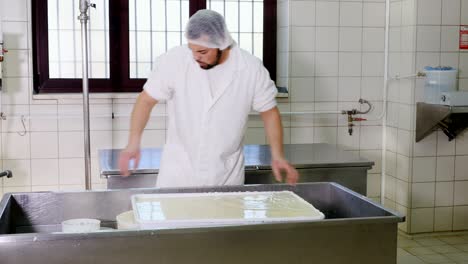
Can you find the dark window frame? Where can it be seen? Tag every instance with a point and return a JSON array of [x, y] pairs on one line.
[[119, 77]]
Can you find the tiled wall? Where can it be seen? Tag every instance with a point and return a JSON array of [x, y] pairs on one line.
[[330, 55], [427, 181]]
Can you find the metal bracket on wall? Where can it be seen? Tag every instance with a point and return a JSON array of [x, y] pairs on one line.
[[450, 119]]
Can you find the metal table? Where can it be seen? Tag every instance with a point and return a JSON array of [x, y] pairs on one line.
[[355, 230], [315, 162]]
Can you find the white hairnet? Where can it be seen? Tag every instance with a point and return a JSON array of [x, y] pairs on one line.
[[207, 28]]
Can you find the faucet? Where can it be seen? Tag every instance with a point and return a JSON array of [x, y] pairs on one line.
[[6, 173], [353, 112]]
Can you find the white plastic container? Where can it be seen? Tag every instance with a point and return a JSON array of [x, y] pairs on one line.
[[437, 82], [81, 225], [181, 210], [126, 221]]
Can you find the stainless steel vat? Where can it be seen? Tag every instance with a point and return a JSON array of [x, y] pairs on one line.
[[315, 163], [356, 230]]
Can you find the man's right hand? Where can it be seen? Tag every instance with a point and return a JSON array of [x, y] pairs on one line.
[[126, 155]]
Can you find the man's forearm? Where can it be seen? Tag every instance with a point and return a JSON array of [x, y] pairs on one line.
[[274, 132], [140, 116]]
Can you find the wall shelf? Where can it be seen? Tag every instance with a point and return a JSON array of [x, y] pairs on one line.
[[450, 119]]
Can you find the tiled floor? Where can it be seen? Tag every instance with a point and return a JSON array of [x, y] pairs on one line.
[[434, 249]]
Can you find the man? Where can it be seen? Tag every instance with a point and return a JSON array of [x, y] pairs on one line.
[[210, 87]]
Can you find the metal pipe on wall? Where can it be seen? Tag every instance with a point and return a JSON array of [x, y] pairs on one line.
[[84, 5]]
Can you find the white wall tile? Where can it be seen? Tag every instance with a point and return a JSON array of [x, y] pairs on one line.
[[395, 13], [302, 38], [45, 172], [444, 194], [408, 39], [14, 10], [44, 145], [325, 135], [18, 118], [462, 143], [351, 14], [403, 167], [392, 134], [424, 169], [326, 89], [406, 94], [445, 168], [372, 64], [326, 64], [15, 146], [349, 89], [325, 119], [461, 168], [451, 12], [450, 38], [373, 39], [302, 120], [444, 147], [101, 117], [71, 171], [463, 66], [21, 170], [303, 64], [461, 195], [428, 38], [351, 39], [424, 59], [255, 136], [443, 217], [422, 220], [153, 138], [460, 214], [374, 15], [100, 140], [302, 135], [283, 64], [423, 194], [327, 13], [16, 91], [390, 188], [45, 188], [371, 137], [395, 40], [429, 12], [409, 12], [16, 189], [302, 89], [404, 142], [405, 117], [283, 13], [70, 117], [15, 35], [71, 144], [302, 13], [119, 138], [327, 38], [43, 118], [402, 192], [391, 163], [450, 59], [373, 185], [72, 187], [464, 12], [16, 63], [349, 64], [426, 147], [346, 141]]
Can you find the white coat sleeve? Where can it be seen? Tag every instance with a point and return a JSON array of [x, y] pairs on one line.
[[158, 83], [265, 91]]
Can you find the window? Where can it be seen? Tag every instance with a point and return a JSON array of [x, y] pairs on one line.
[[126, 35]]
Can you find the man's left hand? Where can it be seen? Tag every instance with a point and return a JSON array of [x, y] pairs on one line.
[[281, 165]]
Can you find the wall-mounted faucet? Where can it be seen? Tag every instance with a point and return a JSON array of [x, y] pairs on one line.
[[353, 112], [6, 173]]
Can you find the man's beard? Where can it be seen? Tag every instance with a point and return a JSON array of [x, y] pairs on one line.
[[218, 58]]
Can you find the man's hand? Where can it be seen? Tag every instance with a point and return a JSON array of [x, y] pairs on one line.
[[126, 155], [280, 165]]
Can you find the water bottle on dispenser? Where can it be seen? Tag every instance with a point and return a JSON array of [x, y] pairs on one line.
[[438, 80]]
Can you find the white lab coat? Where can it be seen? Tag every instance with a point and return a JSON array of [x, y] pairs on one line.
[[205, 133]]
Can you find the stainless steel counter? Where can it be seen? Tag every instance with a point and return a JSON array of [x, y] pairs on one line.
[[355, 230], [315, 162]]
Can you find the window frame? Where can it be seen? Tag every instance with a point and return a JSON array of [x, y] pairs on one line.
[[119, 60]]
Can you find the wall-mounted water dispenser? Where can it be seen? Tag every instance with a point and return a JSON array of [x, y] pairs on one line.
[[439, 80]]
